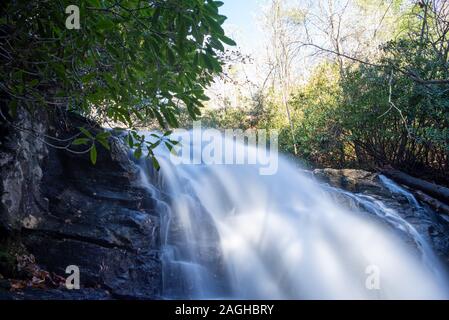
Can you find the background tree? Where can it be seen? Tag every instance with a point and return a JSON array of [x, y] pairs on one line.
[[283, 53], [368, 85]]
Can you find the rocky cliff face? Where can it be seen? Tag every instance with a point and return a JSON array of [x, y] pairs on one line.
[[61, 210], [21, 160]]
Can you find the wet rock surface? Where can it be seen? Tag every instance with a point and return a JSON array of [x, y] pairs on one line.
[[21, 159], [66, 211], [349, 179]]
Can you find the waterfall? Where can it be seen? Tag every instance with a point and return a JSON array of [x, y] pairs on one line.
[[229, 232]]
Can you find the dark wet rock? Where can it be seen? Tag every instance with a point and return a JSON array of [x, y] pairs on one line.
[[66, 211], [103, 222], [349, 179], [21, 160], [118, 270]]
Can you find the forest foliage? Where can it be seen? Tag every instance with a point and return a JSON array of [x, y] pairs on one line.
[[136, 64], [386, 108], [130, 61]]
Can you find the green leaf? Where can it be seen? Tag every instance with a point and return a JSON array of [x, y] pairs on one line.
[[103, 137], [13, 107], [196, 59], [221, 19], [80, 141], [215, 26], [208, 61], [105, 24], [59, 70], [155, 163], [138, 153], [159, 118], [86, 133], [34, 82], [105, 143], [129, 140], [228, 41], [217, 44], [171, 56], [93, 154]]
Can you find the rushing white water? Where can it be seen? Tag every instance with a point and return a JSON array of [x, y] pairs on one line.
[[394, 188], [229, 232]]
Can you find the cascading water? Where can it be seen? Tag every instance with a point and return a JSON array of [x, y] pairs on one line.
[[229, 232], [389, 215]]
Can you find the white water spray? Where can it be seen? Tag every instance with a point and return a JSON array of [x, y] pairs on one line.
[[229, 232]]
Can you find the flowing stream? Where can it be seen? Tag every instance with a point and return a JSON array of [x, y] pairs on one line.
[[229, 232]]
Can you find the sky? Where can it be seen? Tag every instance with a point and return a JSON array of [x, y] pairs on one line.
[[242, 23], [243, 26]]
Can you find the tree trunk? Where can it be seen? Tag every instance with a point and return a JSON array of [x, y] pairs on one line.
[[439, 192], [435, 204]]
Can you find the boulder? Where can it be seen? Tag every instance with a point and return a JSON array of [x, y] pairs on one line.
[[66, 211], [349, 179]]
